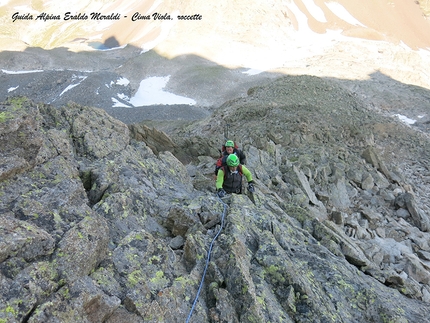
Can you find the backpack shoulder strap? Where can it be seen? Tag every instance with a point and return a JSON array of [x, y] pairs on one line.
[[224, 170]]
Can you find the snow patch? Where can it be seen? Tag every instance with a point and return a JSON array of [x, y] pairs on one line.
[[122, 96], [151, 92], [71, 86], [123, 81], [21, 72], [118, 104], [342, 13], [253, 71], [314, 10], [12, 89], [405, 119], [302, 20]]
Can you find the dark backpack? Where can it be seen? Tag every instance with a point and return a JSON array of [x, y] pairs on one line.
[[225, 169], [219, 162]]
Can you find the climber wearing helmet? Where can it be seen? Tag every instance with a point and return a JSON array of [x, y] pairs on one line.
[[229, 178], [228, 149]]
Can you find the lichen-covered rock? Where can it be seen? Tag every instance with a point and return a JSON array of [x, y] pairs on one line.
[[157, 140], [99, 227], [20, 140], [82, 302], [24, 240], [94, 133], [82, 248]]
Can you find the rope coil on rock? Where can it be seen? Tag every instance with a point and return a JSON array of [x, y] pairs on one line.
[[208, 259]]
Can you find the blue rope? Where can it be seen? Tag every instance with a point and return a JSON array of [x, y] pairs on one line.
[[208, 258]]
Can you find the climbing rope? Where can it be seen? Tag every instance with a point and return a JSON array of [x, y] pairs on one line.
[[208, 258]]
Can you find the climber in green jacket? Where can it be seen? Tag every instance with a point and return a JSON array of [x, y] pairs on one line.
[[229, 178]]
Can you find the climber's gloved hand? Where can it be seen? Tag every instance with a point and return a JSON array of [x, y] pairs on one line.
[[251, 188], [221, 193]]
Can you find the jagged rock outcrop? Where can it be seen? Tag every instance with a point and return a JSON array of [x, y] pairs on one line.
[[20, 142], [154, 139], [351, 168], [96, 227]]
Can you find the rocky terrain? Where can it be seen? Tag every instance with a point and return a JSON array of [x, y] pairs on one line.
[[108, 211], [104, 222]]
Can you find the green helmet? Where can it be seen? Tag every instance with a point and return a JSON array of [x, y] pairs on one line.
[[229, 143], [232, 160]]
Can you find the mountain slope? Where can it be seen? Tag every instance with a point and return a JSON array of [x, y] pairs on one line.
[[96, 227], [102, 221], [215, 59]]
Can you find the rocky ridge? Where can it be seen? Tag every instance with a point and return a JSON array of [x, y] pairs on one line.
[[104, 222]]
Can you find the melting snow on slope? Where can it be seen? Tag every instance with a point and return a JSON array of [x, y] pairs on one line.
[[118, 104], [21, 72], [71, 86], [12, 89], [253, 71], [123, 81], [308, 42], [343, 14], [405, 119], [151, 92], [314, 10]]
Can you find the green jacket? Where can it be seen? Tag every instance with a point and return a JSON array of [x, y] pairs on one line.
[[220, 178]]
